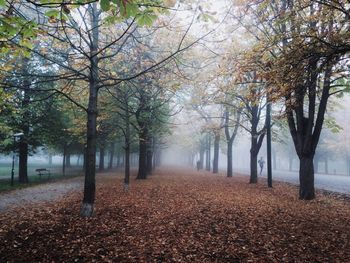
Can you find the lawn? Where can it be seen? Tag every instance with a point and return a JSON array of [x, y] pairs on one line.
[[34, 178], [181, 216], [5, 168]]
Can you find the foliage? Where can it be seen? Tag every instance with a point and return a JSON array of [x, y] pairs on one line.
[[15, 24], [62, 127]]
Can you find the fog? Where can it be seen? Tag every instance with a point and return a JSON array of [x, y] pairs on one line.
[[332, 154]]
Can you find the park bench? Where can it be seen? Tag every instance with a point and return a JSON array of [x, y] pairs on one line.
[[42, 171]]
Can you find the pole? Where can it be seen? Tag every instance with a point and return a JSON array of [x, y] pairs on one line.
[[268, 142], [13, 161]]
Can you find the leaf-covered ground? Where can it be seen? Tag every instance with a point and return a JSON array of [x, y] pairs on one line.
[[181, 216]]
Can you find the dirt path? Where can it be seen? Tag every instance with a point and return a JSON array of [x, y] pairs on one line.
[[40, 193]]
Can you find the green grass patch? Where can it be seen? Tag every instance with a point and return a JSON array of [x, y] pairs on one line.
[[5, 184], [5, 169]]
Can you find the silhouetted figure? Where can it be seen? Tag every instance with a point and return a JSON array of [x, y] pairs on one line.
[[198, 165], [261, 163]]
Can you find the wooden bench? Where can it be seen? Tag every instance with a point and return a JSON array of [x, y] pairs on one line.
[[42, 171]]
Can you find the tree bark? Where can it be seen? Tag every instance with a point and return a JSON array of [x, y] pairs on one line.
[[306, 177], [216, 153], [268, 143], [127, 167], [127, 153], [142, 173], [306, 131], [257, 139], [229, 159], [23, 143], [230, 138], [89, 183], [253, 161]]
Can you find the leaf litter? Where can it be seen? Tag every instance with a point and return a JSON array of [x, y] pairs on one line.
[[181, 216]]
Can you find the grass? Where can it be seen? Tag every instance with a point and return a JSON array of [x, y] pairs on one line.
[[35, 179], [5, 168]]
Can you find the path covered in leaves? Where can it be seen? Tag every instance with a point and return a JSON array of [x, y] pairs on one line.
[[181, 216]]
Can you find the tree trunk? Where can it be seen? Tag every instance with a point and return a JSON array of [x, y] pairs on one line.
[[89, 183], [208, 154], [306, 130], [127, 167], [118, 158], [257, 139], [142, 173], [101, 165], [50, 159], [24, 125], [326, 164], [127, 147], [348, 163], [149, 161], [253, 166], [154, 163], [64, 160], [154, 150], [68, 164], [157, 158], [201, 157], [230, 138], [111, 156], [216, 153], [23, 161], [229, 159], [268, 143], [306, 177]]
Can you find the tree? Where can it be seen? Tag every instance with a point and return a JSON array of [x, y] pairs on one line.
[[230, 136], [62, 131], [300, 51], [30, 108], [253, 101], [81, 54]]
